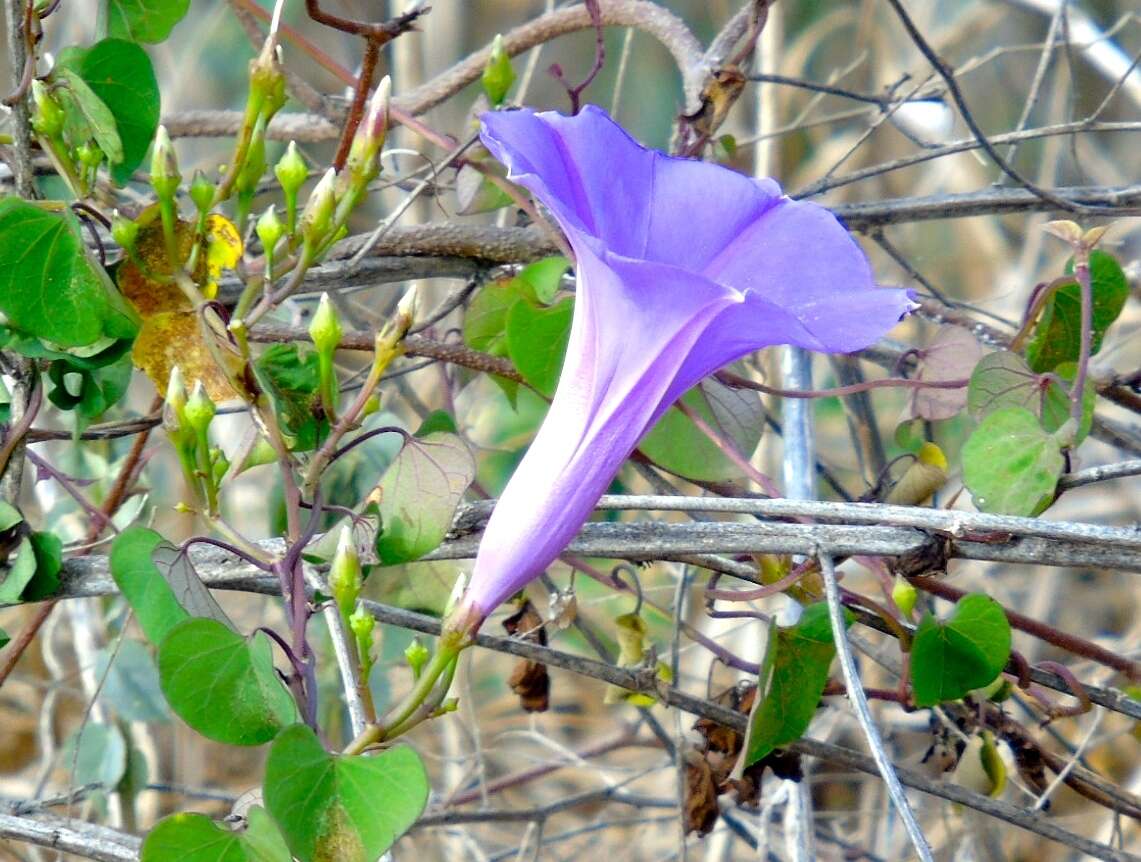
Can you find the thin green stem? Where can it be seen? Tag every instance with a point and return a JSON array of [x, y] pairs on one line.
[[442, 664]]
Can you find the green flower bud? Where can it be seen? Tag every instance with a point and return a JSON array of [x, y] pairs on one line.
[[270, 230], [174, 408], [361, 623], [125, 231], [325, 328], [199, 410], [363, 163], [291, 170], [201, 192], [164, 166], [317, 217], [406, 310], [267, 80], [417, 656], [904, 595], [220, 464], [345, 576], [498, 76], [254, 166], [89, 155], [48, 117]]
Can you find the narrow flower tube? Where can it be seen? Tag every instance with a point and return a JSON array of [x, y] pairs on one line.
[[683, 267]]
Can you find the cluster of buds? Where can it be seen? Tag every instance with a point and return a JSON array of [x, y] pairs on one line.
[[337, 194], [345, 580], [186, 420]]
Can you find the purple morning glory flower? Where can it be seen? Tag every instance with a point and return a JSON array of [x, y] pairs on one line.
[[683, 266]]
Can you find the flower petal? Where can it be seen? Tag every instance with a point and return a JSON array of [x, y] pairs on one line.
[[586, 170]]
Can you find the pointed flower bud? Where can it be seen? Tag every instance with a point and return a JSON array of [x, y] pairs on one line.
[[201, 192], [417, 655], [164, 166], [345, 576], [363, 164], [270, 230], [406, 310], [199, 410], [362, 623], [89, 155], [325, 328], [125, 231], [48, 117], [317, 217], [254, 166], [267, 79], [498, 76], [904, 595], [291, 170], [174, 408]]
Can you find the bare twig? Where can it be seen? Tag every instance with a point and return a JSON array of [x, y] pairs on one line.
[[72, 836], [17, 19], [860, 702]]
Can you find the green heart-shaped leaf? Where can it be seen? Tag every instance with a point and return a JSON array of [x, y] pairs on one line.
[[1011, 464], [348, 808], [792, 680], [1058, 335], [968, 651], [196, 838], [222, 685], [49, 287]]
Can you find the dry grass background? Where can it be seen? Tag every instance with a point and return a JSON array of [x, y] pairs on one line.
[[989, 262]]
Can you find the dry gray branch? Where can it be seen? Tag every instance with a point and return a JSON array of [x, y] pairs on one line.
[[72, 836]]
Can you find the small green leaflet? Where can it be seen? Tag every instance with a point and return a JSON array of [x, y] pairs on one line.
[[542, 279], [968, 651], [1057, 337], [1003, 379], [348, 808], [223, 685], [49, 287], [89, 392], [31, 569], [86, 116], [792, 679], [290, 376]]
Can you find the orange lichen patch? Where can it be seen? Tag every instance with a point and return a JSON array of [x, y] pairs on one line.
[[178, 338], [173, 333], [145, 278]]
